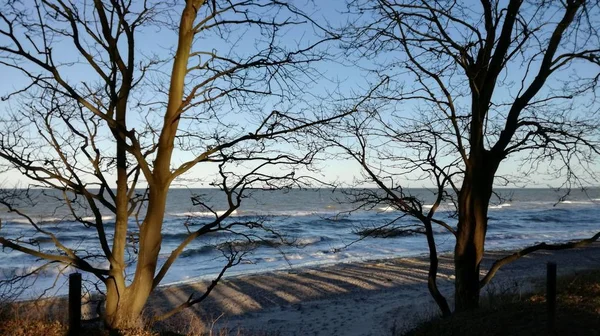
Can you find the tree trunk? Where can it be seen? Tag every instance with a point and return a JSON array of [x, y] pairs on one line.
[[119, 316], [440, 300], [473, 202], [126, 313], [124, 304]]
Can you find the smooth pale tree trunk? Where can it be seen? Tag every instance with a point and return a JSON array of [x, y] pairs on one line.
[[124, 304], [123, 314], [473, 202]]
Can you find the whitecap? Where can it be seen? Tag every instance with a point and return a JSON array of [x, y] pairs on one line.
[[500, 206], [202, 213], [576, 202], [93, 218], [308, 240]]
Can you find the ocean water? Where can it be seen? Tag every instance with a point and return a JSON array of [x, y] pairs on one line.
[[309, 227]]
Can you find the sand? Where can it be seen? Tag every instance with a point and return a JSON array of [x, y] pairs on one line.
[[366, 298]]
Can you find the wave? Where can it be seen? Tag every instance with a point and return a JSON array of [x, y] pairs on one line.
[[245, 245], [54, 220], [577, 202], [543, 236], [390, 232], [500, 206], [16, 221], [47, 220], [92, 218], [503, 224], [302, 213], [503, 236], [248, 245], [339, 220], [542, 219], [201, 213], [181, 235], [254, 214], [192, 252], [305, 241]]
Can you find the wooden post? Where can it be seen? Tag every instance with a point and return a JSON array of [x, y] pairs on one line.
[[551, 295], [74, 304]]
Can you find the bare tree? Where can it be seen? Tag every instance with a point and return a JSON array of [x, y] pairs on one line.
[[459, 88], [110, 123]]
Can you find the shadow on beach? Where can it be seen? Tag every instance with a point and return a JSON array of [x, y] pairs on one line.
[[335, 291]]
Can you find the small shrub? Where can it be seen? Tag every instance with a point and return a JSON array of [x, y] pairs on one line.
[[578, 313]]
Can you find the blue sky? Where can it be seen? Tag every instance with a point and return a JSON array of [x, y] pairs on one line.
[[338, 75]]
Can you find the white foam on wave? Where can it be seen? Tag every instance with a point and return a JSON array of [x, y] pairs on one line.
[[202, 213], [386, 209], [92, 218], [17, 220], [500, 206], [299, 213], [321, 255], [43, 220], [576, 202], [285, 213], [308, 240], [50, 270], [53, 220], [295, 256]]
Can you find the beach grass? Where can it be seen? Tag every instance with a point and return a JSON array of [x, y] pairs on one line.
[[46, 327], [25, 320], [578, 313]]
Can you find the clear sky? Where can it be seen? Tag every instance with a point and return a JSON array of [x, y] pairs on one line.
[[339, 75]]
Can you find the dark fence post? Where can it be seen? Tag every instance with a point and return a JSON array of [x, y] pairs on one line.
[[74, 304], [551, 295]]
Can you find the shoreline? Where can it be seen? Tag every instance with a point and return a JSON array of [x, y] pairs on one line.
[[357, 298], [352, 298], [317, 265]]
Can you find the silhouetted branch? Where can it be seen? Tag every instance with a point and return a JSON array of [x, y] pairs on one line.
[[542, 246]]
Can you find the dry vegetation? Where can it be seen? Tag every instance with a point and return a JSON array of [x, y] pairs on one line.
[[578, 313], [505, 314], [31, 320]]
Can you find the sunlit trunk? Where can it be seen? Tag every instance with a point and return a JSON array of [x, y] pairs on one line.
[[124, 305], [125, 314]]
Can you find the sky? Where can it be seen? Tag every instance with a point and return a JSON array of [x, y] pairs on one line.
[[339, 75]]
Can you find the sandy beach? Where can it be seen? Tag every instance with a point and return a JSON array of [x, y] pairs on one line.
[[366, 298]]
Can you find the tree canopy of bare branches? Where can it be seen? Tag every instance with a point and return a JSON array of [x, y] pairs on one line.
[[460, 92], [109, 117]]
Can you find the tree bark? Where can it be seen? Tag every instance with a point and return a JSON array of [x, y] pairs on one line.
[[124, 314], [440, 300], [473, 202], [124, 304]]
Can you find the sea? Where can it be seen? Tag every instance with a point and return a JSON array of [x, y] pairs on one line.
[[293, 228]]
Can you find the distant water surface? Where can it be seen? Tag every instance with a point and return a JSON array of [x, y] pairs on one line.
[[314, 220]]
